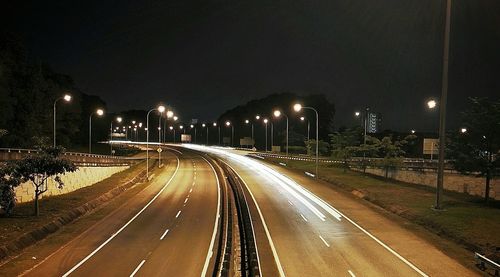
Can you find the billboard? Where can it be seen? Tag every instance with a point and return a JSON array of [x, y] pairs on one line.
[[431, 146], [185, 138]]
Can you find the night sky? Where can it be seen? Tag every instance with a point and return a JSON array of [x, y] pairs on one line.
[[204, 57]]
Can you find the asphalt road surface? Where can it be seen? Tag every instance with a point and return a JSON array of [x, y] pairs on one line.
[[304, 228], [168, 229]]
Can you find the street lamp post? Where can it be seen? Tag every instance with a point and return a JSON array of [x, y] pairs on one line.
[[119, 120], [195, 134], [265, 122], [308, 126], [228, 123], [99, 112], [66, 98], [160, 109], [215, 125], [277, 114], [205, 126], [298, 108], [172, 129]]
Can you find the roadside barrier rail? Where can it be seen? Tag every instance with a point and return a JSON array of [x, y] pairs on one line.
[[484, 263]]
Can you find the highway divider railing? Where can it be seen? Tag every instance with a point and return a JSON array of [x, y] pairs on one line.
[[407, 163], [81, 159], [484, 263]]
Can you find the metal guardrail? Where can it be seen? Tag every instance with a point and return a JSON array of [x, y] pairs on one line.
[[408, 164], [484, 263], [82, 159]]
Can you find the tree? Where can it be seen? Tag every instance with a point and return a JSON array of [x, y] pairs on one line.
[[391, 151], [323, 147], [7, 184], [476, 151], [39, 167], [345, 144]]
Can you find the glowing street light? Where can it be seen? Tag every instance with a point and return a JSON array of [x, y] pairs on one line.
[[357, 114], [99, 112], [118, 119], [463, 130], [265, 120], [302, 118], [413, 131], [228, 123], [431, 104], [160, 109], [277, 114], [218, 127], [66, 98], [170, 114], [298, 107]]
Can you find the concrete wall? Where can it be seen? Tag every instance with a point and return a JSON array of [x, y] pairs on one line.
[[83, 177], [452, 181]]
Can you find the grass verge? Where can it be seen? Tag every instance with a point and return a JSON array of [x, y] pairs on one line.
[[466, 219]]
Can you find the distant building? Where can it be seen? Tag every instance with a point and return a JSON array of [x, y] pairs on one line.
[[374, 121]]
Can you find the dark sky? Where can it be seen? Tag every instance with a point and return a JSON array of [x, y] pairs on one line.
[[204, 57]]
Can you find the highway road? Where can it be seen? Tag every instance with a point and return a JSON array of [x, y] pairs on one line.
[[168, 229], [304, 228]]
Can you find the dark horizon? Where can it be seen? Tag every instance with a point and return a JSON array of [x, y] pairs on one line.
[[206, 58]]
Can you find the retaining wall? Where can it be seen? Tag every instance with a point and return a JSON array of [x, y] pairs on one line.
[[83, 177], [452, 181]]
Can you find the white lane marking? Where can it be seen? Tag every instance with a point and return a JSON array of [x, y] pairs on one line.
[[324, 241], [185, 201], [178, 213], [291, 204], [305, 219], [216, 223], [191, 190], [126, 224], [271, 243], [164, 234], [350, 273], [137, 268], [194, 177], [175, 150], [194, 183]]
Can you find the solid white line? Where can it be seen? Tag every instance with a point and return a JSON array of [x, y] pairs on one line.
[[271, 243], [137, 268], [324, 241], [178, 213], [350, 273], [164, 234], [124, 226], [216, 223], [305, 219]]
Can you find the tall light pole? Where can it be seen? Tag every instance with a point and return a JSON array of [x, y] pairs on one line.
[[195, 134], [66, 98], [172, 129], [99, 112], [205, 126], [160, 109], [277, 114], [228, 124], [265, 122], [215, 125], [298, 108], [302, 118], [119, 120]]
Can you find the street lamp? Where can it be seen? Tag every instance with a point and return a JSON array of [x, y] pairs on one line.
[[99, 112], [277, 114], [413, 131], [463, 130], [205, 126], [431, 104], [357, 113], [66, 98], [298, 107], [119, 120], [265, 122], [195, 135], [172, 129], [228, 123], [160, 109], [215, 125], [302, 118]]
